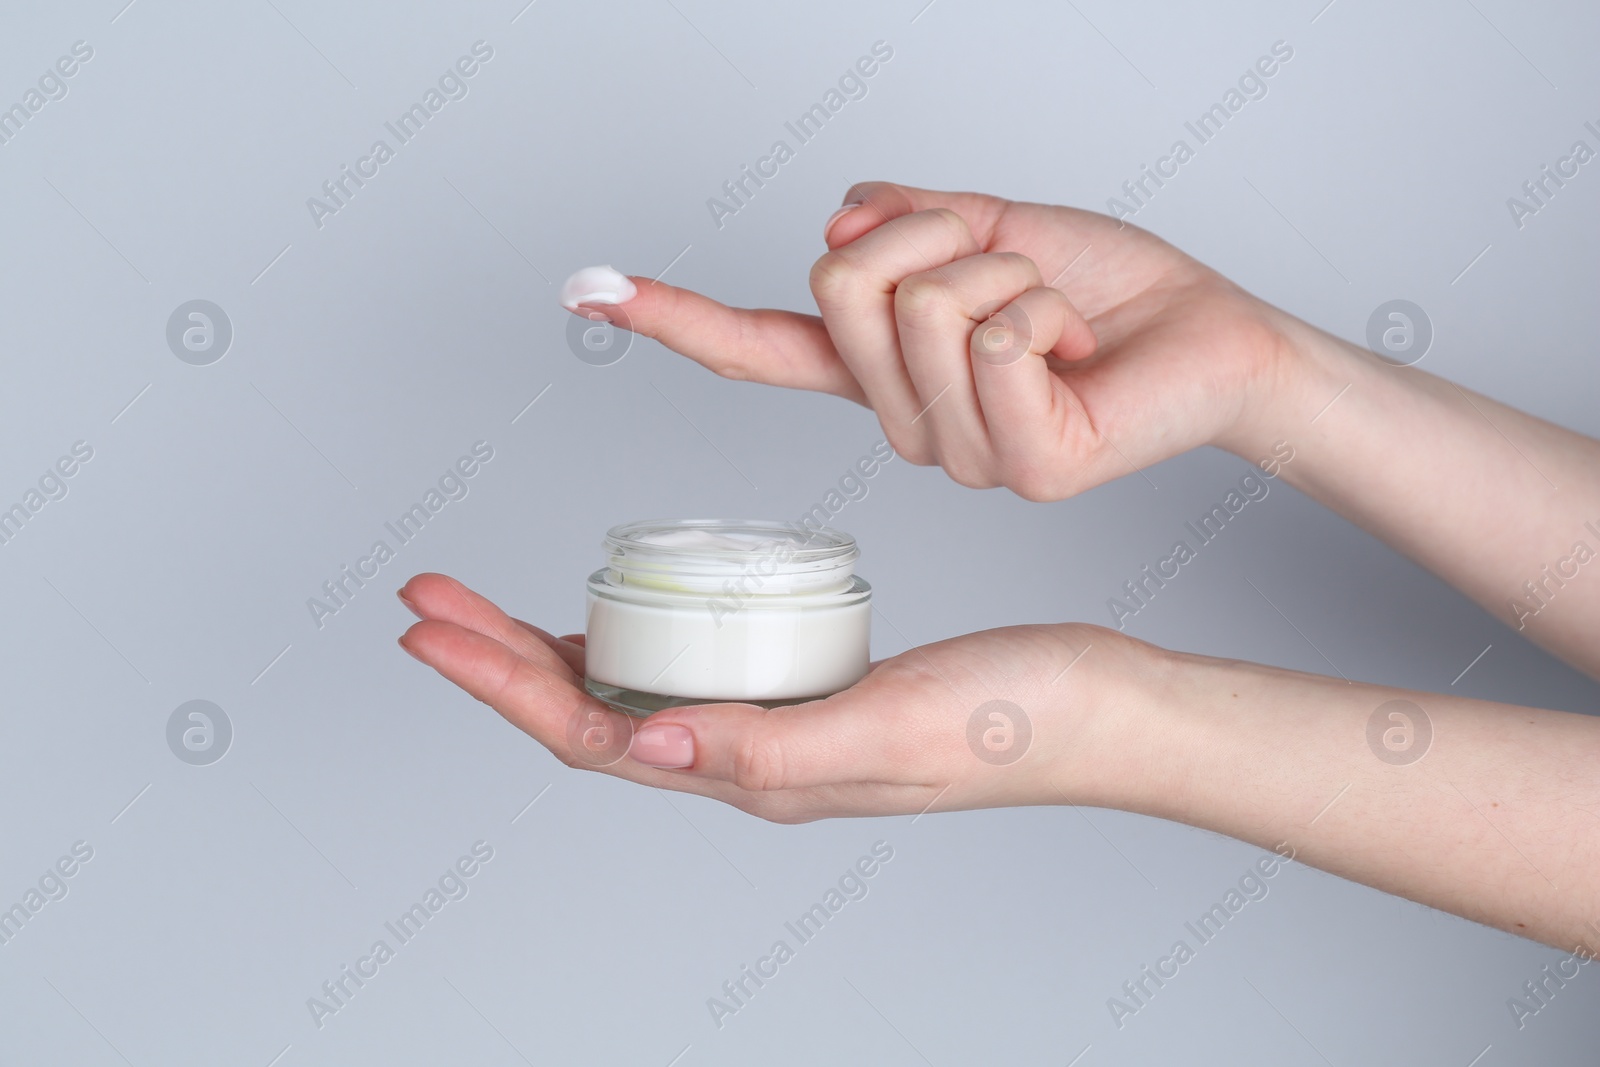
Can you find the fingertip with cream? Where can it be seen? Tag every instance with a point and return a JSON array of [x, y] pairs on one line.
[[597, 285]]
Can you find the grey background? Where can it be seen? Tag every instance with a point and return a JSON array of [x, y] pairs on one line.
[[371, 353]]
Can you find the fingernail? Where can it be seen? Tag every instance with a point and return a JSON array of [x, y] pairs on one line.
[[665, 745], [401, 593], [402, 643], [827, 227], [596, 285], [594, 312]]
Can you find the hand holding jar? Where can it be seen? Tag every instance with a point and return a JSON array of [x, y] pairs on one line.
[[896, 742]]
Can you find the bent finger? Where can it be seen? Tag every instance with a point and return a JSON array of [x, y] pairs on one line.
[[877, 202], [854, 287], [935, 313], [1036, 427]]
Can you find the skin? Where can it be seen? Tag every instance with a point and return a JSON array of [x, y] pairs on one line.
[[1047, 350]]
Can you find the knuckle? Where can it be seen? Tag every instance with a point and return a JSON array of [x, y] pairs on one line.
[[922, 298], [916, 453], [964, 473], [758, 765], [1044, 487], [1032, 492], [1033, 483], [832, 276], [908, 445], [738, 360], [506, 691], [1022, 263], [947, 218]]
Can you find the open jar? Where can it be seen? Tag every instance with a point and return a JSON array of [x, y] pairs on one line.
[[696, 611]]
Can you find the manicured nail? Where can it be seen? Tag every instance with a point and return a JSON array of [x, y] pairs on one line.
[[665, 745], [401, 593], [594, 312], [596, 285], [827, 227]]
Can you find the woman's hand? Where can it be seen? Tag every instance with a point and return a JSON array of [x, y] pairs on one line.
[[1040, 348], [1487, 810], [902, 740], [1048, 350]]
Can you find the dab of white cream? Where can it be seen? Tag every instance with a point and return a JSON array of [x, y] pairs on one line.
[[596, 285], [707, 539]]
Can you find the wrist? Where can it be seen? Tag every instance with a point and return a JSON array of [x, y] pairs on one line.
[[1104, 700], [1300, 372]]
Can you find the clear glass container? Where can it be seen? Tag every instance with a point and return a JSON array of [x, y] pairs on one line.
[[696, 611]]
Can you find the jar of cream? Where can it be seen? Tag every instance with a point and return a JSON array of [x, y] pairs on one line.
[[695, 611]]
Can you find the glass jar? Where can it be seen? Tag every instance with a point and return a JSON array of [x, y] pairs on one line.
[[696, 611]]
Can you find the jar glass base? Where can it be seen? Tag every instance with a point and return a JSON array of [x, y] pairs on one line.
[[640, 704]]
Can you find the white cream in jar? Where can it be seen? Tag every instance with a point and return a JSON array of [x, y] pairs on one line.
[[691, 611]]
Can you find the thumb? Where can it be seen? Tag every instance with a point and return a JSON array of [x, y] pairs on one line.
[[762, 345], [879, 202], [824, 742]]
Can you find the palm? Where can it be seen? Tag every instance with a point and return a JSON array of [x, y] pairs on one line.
[[897, 742], [907, 724]]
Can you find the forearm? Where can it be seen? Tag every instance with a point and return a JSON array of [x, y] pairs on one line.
[[1485, 810], [1502, 505]]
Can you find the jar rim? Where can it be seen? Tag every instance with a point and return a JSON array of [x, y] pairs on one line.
[[811, 544], [794, 558]]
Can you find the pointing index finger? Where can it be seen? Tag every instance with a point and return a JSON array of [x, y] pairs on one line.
[[748, 344]]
